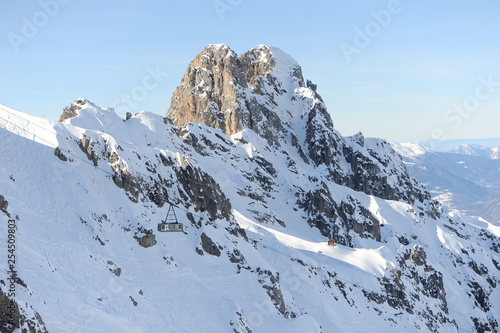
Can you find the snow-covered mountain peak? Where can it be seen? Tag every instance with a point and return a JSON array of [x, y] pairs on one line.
[[262, 183], [476, 150], [218, 47], [262, 90], [495, 153], [409, 149], [85, 114], [272, 60], [73, 110]]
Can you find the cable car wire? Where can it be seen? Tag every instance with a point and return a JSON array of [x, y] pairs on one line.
[[65, 150]]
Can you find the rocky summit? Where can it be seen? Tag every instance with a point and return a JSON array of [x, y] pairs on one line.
[[287, 224], [234, 93]]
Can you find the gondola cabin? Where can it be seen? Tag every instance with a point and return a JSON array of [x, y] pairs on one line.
[[171, 224], [170, 227]]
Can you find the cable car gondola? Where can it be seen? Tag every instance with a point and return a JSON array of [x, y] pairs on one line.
[[171, 224]]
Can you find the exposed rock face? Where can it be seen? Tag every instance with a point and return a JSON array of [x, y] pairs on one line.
[[204, 193], [209, 246], [232, 93], [86, 146], [13, 317], [418, 256], [271, 283], [60, 154], [9, 314], [71, 111], [113, 268], [207, 90], [146, 238], [4, 204]]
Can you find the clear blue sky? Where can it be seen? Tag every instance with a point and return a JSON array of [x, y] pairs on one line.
[[401, 70]]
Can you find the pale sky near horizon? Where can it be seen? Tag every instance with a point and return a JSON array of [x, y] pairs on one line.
[[400, 70]]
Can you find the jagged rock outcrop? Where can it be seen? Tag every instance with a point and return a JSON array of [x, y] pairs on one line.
[[72, 110], [209, 246], [145, 238], [204, 192], [232, 93], [4, 204], [207, 93], [87, 146], [14, 318]]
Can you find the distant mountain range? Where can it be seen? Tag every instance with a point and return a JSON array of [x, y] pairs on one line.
[[448, 145], [465, 178], [477, 150]]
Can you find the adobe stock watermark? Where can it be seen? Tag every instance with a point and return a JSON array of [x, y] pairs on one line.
[[265, 310], [461, 111], [224, 6], [86, 313], [30, 27], [262, 310], [150, 81], [373, 28], [9, 309]]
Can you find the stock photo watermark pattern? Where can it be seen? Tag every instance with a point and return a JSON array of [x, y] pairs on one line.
[[381, 19], [150, 81], [32, 25], [8, 308], [12, 272], [455, 116], [223, 6]]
